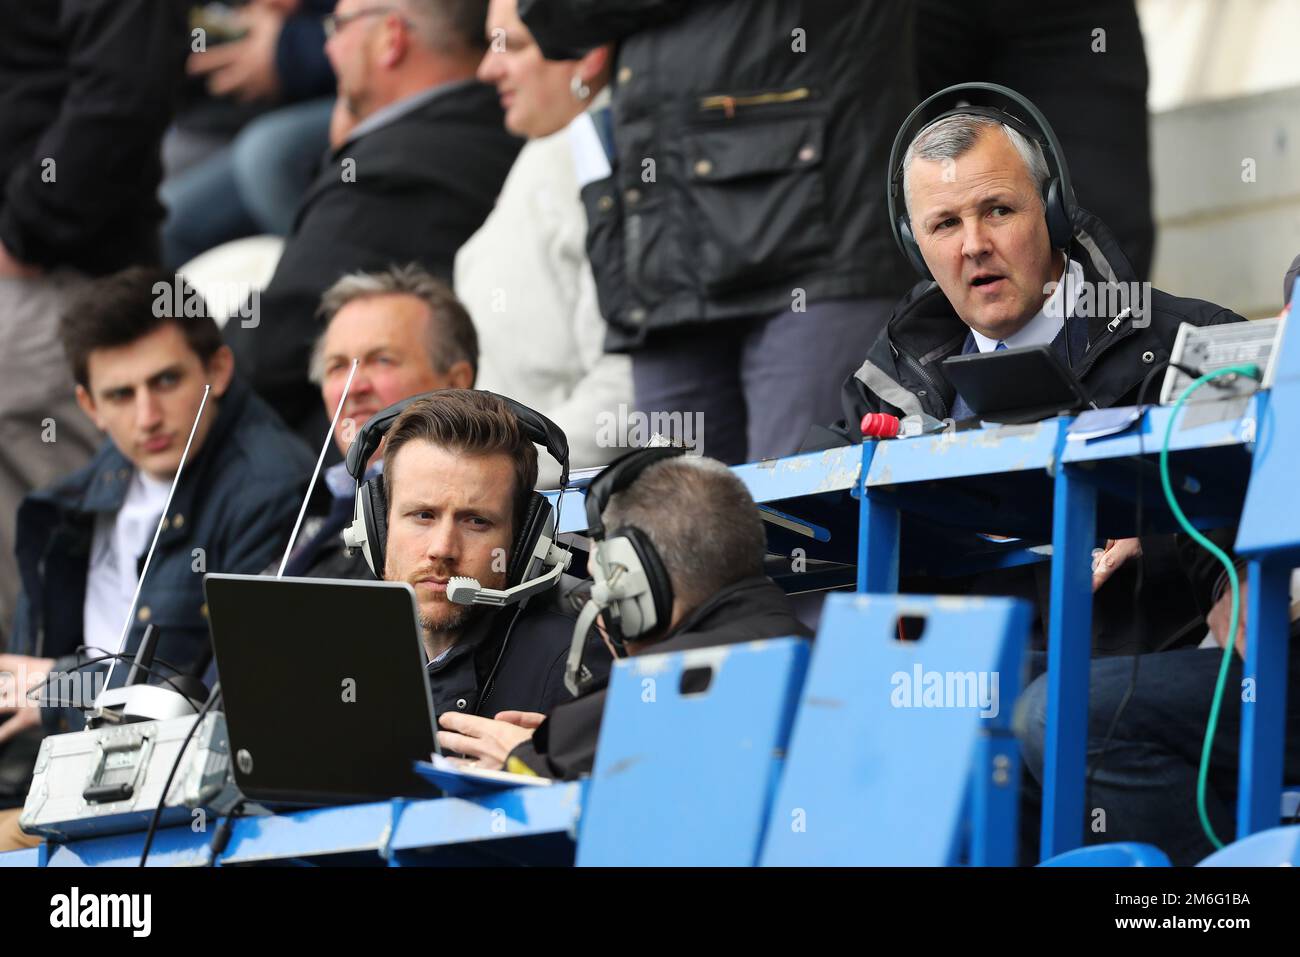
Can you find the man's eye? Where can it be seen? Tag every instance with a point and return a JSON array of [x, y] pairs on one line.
[[1001, 210], [478, 521], [944, 224], [423, 515]]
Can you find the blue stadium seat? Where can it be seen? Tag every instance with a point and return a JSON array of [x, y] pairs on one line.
[[689, 755], [1277, 847], [895, 754], [1119, 854]]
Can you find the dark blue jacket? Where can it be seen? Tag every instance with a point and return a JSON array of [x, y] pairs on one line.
[[232, 512], [300, 59]]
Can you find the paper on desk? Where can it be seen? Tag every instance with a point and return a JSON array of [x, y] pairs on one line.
[[1100, 423], [456, 780]]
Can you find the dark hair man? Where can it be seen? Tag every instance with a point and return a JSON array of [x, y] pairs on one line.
[[459, 474], [391, 190], [410, 335], [703, 523], [142, 348]]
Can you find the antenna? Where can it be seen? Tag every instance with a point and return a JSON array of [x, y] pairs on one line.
[[139, 583], [329, 437]]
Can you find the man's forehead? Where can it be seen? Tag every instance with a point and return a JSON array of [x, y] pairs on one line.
[[431, 472], [991, 158]]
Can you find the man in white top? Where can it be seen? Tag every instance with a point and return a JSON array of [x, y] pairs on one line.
[[142, 349], [524, 276]]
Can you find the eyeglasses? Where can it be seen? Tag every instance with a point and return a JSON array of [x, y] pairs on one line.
[[336, 22]]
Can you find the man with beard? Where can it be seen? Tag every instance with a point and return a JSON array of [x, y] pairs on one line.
[[459, 474]]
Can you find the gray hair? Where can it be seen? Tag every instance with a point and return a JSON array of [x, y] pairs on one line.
[[700, 518], [452, 337], [955, 135], [450, 26]]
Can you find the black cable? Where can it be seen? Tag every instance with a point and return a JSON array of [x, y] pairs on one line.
[[162, 800], [157, 660], [221, 837], [1137, 587], [94, 661]]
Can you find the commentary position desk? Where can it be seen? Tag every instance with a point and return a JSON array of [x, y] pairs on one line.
[[962, 502]]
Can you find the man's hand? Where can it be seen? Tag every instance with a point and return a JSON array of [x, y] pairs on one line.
[[20, 674], [11, 268], [486, 740], [244, 69], [1218, 620], [1107, 561], [529, 720]]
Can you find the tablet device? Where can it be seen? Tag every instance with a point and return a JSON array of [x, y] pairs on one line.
[[1024, 384]]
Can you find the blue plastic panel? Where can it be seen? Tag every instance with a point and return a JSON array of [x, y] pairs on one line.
[[887, 731], [686, 779]]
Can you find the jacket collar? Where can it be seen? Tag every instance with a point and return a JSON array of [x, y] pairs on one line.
[[730, 607]]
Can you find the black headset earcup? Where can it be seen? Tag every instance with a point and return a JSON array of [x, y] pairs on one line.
[[1060, 224], [661, 587], [530, 530], [911, 249], [374, 509]]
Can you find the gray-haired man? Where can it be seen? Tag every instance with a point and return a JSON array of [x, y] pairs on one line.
[[410, 335], [974, 194]]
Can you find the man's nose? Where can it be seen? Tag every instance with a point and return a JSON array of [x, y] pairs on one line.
[[487, 67], [975, 238], [148, 410], [361, 384], [442, 542]]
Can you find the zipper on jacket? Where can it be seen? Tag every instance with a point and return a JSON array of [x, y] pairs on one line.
[[1112, 335], [934, 387], [728, 103]]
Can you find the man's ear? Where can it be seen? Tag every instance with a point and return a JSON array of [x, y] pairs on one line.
[[460, 375], [220, 370], [396, 45], [87, 403]]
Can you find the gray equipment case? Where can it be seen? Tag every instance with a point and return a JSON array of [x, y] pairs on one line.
[[110, 779]]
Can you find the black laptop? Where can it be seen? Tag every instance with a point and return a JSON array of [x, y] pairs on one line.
[[1026, 384], [323, 687]]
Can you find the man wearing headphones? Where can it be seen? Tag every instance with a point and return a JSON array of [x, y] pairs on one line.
[[454, 515], [982, 206], [677, 563]]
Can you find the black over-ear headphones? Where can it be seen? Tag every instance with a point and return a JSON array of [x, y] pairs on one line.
[[630, 585], [998, 103], [534, 540]]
